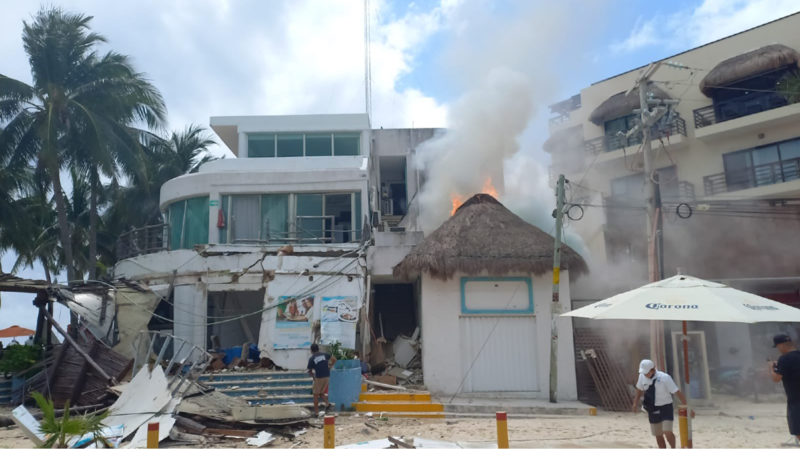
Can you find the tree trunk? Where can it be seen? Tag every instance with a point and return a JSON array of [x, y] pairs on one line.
[[49, 332], [93, 224], [64, 237]]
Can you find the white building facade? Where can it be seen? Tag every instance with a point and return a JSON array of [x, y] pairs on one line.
[[291, 217]]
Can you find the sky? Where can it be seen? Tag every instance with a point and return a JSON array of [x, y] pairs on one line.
[[250, 57]]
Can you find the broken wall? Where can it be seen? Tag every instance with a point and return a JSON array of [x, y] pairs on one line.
[[322, 271]]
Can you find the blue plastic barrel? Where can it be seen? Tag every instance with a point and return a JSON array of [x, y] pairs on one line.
[[345, 384]]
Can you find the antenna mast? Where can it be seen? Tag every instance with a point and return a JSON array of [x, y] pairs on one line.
[[367, 61]]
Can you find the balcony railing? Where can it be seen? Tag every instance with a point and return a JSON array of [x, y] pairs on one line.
[[751, 177], [685, 190], [609, 143], [143, 241], [739, 107], [559, 119]]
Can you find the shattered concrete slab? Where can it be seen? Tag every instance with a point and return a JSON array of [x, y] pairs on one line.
[[146, 394]]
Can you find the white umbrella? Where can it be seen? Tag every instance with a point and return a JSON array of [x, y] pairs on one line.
[[686, 298]]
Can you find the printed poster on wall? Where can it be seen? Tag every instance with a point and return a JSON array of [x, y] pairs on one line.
[[339, 318], [293, 320]]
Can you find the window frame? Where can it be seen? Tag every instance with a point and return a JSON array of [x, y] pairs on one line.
[[333, 136]]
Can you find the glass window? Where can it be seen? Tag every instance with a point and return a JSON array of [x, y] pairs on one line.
[[245, 219], [630, 186], [290, 145], [176, 211], [357, 228], [309, 211], [319, 145], [275, 217], [188, 223], [613, 127], [346, 144], [790, 150], [260, 145], [196, 228]]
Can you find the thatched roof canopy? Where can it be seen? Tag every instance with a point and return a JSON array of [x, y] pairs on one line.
[[742, 66], [485, 236], [567, 139], [619, 105]]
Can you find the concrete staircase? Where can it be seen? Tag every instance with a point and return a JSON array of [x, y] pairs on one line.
[[264, 388], [400, 404], [5, 391], [278, 388]]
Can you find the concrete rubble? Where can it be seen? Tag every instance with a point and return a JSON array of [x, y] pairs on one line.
[[398, 363]]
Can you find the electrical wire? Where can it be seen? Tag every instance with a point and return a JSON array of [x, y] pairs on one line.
[[331, 280], [261, 261]]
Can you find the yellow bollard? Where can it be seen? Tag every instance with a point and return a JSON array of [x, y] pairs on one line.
[[152, 435], [683, 425], [502, 430], [330, 429]]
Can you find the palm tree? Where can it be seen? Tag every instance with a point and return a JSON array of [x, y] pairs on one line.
[[138, 205], [79, 105]]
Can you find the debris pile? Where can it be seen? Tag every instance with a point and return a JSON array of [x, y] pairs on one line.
[[163, 392], [397, 363]]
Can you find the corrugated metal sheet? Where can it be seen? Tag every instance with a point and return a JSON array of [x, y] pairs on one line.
[[508, 359]]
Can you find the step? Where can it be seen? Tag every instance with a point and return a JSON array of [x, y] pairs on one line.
[[226, 376], [400, 407], [280, 400], [272, 392], [394, 397], [258, 384]]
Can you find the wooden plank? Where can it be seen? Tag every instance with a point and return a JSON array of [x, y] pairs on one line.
[[88, 358], [52, 372], [80, 380]]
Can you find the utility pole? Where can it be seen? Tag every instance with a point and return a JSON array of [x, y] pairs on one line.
[[645, 122], [555, 307]]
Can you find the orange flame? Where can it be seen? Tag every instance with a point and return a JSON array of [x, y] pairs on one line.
[[458, 200]]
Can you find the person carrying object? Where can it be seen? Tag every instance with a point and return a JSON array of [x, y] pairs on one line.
[[787, 369], [657, 389], [319, 367]]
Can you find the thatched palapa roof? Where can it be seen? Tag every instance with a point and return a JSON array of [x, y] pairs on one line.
[[742, 66], [485, 236], [619, 105], [568, 139]]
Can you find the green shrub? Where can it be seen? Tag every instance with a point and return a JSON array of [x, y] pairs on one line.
[[17, 358]]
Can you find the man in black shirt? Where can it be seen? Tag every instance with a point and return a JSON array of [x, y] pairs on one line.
[[787, 369], [319, 367]]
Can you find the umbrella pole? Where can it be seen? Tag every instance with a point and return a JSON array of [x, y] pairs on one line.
[[688, 392]]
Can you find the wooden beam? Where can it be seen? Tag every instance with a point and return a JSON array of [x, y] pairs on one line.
[[68, 338], [51, 376], [77, 390]]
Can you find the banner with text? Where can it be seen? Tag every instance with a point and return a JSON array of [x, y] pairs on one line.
[[339, 318], [293, 322]]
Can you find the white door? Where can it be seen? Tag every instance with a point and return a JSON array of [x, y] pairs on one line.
[[499, 360]]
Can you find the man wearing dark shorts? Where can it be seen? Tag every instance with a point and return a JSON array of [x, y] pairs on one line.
[[657, 389], [787, 369], [319, 367]]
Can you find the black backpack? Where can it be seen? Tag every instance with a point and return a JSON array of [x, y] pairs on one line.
[[649, 401]]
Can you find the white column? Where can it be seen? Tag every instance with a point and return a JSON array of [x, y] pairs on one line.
[[242, 145], [191, 308]]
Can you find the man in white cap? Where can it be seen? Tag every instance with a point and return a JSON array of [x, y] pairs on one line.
[[657, 388]]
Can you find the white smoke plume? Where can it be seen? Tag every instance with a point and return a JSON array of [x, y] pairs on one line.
[[510, 64], [486, 123]]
